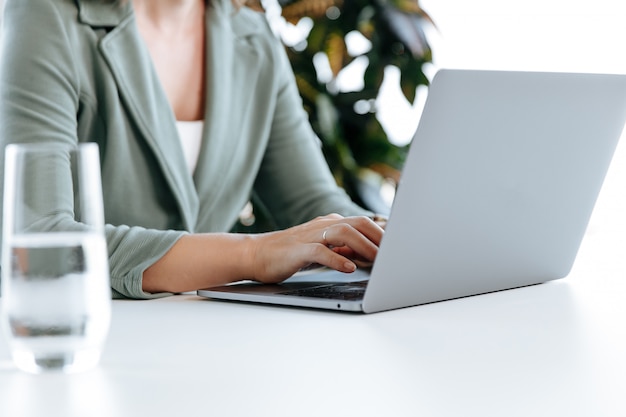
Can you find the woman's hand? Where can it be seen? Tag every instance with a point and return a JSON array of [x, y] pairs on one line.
[[208, 259], [340, 243]]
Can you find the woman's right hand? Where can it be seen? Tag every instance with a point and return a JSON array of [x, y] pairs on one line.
[[209, 259], [340, 243]]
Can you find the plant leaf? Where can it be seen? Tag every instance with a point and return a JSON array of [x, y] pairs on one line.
[[337, 52], [408, 28], [293, 11]]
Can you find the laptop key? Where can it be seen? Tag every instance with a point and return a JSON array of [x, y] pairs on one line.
[[349, 291]]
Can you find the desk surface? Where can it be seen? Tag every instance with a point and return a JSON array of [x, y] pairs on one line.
[[557, 349]]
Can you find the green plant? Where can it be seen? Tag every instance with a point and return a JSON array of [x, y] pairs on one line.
[[354, 143], [353, 140]]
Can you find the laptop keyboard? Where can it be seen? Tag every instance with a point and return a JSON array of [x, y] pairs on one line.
[[348, 291]]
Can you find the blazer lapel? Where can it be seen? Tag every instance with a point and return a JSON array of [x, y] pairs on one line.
[[232, 73], [145, 100]]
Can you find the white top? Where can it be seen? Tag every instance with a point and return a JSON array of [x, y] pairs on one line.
[[190, 134]]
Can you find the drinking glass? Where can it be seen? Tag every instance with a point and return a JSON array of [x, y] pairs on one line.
[[56, 295]]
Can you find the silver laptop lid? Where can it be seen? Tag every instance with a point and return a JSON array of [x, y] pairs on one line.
[[499, 184]]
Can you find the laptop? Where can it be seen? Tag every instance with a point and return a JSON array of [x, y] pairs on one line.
[[496, 193]]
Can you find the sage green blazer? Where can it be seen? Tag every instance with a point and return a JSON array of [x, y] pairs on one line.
[[78, 71]]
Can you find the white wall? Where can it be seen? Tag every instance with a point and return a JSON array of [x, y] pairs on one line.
[[539, 35], [549, 35]]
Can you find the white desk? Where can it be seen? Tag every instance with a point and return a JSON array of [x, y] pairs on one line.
[[557, 349]]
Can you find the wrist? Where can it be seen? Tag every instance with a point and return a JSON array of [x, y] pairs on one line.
[[248, 256]]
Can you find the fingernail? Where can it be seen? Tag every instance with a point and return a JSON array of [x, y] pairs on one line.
[[350, 266]]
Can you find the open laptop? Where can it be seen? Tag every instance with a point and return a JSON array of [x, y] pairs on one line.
[[496, 193]]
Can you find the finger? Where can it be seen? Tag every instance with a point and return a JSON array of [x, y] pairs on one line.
[[325, 237], [363, 264], [353, 256], [343, 234], [324, 256], [367, 227]]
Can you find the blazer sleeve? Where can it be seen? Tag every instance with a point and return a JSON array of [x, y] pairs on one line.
[[40, 101], [294, 178]]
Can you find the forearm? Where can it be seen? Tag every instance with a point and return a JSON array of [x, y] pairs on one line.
[[200, 261]]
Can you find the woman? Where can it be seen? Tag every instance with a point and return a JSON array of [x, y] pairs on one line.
[[195, 109]]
